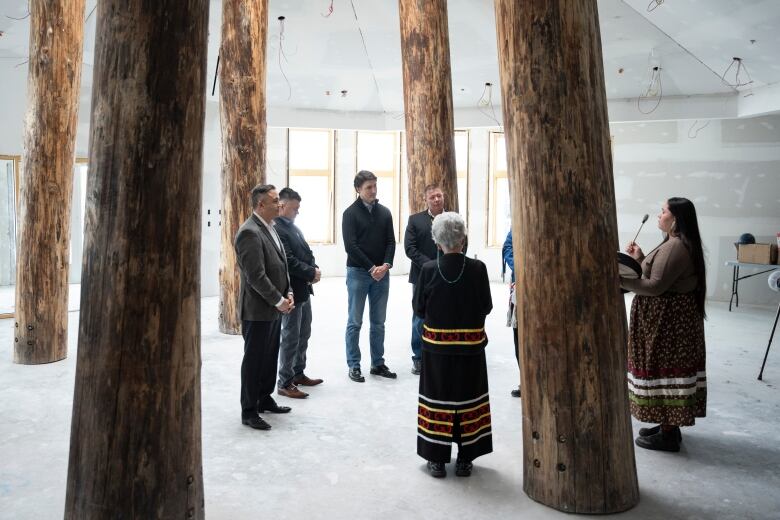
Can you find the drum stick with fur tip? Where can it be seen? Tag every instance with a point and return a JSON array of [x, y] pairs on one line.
[[644, 219]]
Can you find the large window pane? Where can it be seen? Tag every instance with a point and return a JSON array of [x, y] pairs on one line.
[[499, 211], [462, 167], [380, 153], [8, 175], [314, 205], [310, 156]]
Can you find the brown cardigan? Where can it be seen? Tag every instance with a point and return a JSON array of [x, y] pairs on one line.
[[667, 268]]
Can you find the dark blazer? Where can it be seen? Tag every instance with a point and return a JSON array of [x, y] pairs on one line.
[[300, 259], [369, 238], [418, 242], [264, 277]]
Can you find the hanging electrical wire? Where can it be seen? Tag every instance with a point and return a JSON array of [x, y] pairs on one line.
[[693, 131], [90, 13], [330, 10], [739, 70], [486, 101], [654, 90], [281, 55], [653, 5]]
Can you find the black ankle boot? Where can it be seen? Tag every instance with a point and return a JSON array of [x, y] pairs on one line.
[[646, 432], [661, 441]]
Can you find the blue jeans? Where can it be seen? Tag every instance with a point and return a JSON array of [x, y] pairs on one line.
[[359, 286], [417, 330]]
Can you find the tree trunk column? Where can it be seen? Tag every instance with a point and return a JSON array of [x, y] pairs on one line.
[[135, 446], [242, 116], [53, 81], [430, 130], [577, 441]]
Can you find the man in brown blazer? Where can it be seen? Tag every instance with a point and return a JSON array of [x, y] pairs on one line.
[[265, 296]]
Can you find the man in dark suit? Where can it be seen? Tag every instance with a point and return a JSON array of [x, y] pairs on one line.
[[296, 326], [419, 247], [265, 297]]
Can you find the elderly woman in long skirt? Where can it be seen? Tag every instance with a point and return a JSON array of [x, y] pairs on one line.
[[452, 296]]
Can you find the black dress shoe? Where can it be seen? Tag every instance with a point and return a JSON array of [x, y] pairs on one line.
[[646, 432], [256, 422], [356, 375], [383, 371], [463, 467], [271, 406], [416, 366], [661, 441], [436, 469], [515, 392]]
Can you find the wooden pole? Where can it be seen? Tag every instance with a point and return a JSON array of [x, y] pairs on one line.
[[577, 441], [135, 448], [430, 130], [242, 115], [53, 81]]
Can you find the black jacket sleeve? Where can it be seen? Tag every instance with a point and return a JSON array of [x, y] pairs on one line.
[[390, 238], [411, 245], [295, 266]]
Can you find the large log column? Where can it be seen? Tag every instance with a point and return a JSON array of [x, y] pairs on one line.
[[430, 130], [53, 81], [577, 442], [242, 115], [135, 448]]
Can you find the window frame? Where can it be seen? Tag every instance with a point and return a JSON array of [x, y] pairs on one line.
[[492, 241]]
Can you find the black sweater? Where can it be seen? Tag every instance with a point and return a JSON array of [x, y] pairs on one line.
[[369, 238]]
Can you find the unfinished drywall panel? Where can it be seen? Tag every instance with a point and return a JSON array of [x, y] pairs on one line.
[[730, 169]]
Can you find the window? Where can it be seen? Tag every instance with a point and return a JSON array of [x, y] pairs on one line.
[[380, 153], [462, 168], [310, 172], [9, 194], [499, 215], [77, 218]]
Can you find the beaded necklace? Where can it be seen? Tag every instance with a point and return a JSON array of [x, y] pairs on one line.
[[438, 266]]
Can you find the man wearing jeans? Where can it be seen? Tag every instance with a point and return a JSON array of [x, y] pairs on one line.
[[369, 239], [296, 326], [419, 247]]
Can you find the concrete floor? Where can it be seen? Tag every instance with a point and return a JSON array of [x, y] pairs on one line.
[[348, 451]]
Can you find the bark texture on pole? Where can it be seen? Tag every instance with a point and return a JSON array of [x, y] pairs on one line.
[[53, 81], [577, 441], [242, 116], [430, 130], [135, 447]]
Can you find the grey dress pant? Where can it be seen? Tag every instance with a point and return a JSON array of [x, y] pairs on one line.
[[296, 331]]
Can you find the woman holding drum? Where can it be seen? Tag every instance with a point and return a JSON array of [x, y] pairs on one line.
[[666, 349]]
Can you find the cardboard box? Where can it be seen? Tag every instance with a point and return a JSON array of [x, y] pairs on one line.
[[757, 253]]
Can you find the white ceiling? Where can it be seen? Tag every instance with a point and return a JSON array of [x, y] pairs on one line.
[[693, 41]]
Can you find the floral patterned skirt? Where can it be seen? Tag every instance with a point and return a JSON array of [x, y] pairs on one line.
[[667, 382]]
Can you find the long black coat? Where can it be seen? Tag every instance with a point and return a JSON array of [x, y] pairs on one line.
[[300, 259]]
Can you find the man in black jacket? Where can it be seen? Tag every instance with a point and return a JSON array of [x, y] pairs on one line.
[[419, 247], [296, 326], [369, 239]]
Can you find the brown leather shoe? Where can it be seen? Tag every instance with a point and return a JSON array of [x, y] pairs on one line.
[[292, 391], [303, 380]]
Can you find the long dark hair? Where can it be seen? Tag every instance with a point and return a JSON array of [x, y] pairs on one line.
[[686, 226]]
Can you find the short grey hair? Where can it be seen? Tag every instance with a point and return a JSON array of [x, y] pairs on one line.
[[448, 229]]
